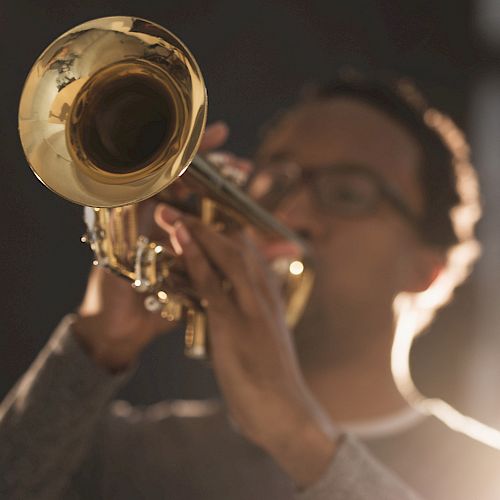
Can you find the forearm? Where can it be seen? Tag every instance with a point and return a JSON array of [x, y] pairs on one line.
[[303, 442], [112, 353], [48, 419]]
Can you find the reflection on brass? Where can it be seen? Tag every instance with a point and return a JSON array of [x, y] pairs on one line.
[[195, 338], [111, 114]]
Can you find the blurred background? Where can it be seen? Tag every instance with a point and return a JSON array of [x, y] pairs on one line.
[[256, 56]]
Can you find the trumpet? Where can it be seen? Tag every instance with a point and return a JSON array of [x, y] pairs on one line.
[[111, 114]]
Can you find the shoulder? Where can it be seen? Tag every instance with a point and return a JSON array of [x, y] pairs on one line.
[[439, 462]]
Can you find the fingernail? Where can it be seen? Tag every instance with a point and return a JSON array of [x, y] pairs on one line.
[[182, 233], [168, 214]]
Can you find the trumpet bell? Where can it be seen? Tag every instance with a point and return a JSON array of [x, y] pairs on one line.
[[112, 112]]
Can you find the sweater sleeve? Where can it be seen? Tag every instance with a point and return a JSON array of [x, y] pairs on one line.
[[51, 416], [48, 419], [354, 474]]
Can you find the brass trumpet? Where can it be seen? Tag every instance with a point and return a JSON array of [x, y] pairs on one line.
[[112, 113]]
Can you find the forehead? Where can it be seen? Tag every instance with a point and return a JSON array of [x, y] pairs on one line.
[[344, 130]]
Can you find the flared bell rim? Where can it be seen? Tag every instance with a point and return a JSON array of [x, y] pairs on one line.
[[63, 70]]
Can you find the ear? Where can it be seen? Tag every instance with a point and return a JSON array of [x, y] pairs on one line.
[[427, 265]]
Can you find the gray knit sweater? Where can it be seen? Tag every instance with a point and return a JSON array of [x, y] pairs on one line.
[[61, 437]]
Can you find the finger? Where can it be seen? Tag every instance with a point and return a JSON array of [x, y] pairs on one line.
[[235, 259], [165, 217], [221, 246], [259, 265], [215, 135], [205, 279]]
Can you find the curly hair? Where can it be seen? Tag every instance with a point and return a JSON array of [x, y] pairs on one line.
[[448, 179]]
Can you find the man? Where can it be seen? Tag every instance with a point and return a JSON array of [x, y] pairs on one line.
[[368, 179]]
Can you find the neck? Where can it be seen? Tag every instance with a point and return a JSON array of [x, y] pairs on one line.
[[349, 371]]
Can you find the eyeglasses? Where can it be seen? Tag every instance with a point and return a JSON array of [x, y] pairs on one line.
[[348, 190]]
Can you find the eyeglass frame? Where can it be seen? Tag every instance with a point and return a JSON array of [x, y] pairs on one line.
[[308, 174]]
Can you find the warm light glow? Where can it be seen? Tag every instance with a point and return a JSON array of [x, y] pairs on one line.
[[437, 407], [296, 268], [416, 311], [162, 296]]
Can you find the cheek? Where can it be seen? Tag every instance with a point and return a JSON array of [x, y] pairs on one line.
[[360, 260]]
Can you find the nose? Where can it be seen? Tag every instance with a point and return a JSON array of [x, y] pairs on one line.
[[296, 209], [295, 212]]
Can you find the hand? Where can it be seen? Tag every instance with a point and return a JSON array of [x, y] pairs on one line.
[[251, 348], [112, 323]]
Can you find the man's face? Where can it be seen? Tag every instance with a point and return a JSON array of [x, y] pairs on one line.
[[363, 258]]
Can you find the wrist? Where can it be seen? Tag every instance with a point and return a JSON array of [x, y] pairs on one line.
[[106, 348], [305, 448]]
